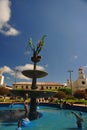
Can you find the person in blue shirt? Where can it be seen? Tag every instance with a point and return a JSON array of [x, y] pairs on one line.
[[79, 119], [25, 122]]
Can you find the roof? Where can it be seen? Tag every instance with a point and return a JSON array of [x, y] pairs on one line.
[[80, 68], [39, 83]]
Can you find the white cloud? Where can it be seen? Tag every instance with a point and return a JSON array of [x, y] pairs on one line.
[[5, 11], [25, 67], [18, 69], [26, 52], [28, 67], [19, 75], [46, 65], [15, 73], [5, 14], [75, 57], [7, 69], [84, 67]]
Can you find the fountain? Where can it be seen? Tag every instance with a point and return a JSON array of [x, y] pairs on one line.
[[34, 74]]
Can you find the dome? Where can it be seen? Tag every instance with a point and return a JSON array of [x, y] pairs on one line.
[[80, 69]]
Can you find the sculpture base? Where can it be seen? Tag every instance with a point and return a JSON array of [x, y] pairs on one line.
[[34, 115]]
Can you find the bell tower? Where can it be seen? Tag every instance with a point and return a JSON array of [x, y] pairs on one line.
[[81, 74], [81, 79], [81, 82]]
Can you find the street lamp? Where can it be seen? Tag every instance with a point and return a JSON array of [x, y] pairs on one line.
[[70, 71], [16, 71]]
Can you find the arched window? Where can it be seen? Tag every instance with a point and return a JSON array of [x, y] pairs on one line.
[[47, 87], [55, 87], [50, 87], [26, 86], [22, 86]]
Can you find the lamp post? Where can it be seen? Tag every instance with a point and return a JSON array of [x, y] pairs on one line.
[[16, 71], [70, 71]]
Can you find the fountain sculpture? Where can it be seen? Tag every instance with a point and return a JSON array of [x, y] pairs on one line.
[[34, 93], [34, 74]]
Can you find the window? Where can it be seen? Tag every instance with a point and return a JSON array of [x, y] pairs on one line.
[[47, 87], [55, 87], [83, 82], [50, 87], [26, 86], [22, 87], [42, 88]]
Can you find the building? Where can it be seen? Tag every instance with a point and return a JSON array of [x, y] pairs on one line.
[[40, 85], [1, 78], [80, 83]]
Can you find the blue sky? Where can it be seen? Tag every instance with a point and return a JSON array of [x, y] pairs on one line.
[[65, 24]]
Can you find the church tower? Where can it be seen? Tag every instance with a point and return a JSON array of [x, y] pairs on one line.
[[80, 83], [81, 78], [81, 74]]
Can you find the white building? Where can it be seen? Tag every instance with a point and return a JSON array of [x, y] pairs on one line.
[[80, 83], [40, 85], [1, 78]]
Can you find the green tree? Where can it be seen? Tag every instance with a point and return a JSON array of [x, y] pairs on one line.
[[60, 95], [65, 90], [4, 91]]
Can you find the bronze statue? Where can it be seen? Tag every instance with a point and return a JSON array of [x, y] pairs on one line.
[[36, 50]]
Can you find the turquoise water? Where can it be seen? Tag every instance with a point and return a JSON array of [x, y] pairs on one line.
[[52, 119]]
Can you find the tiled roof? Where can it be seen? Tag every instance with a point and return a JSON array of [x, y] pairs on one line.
[[39, 83]]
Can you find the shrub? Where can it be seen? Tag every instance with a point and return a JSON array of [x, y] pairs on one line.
[[79, 94], [65, 90], [60, 95], [4, 91]]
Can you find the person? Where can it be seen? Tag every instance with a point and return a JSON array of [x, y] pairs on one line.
[[26, 108], [26, 119], [25, 122], [79, 119], [11, 110], [19, 125], [12, 104], [61, 103]]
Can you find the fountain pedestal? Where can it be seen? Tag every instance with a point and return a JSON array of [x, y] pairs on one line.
[[33, 114], [34, 74]]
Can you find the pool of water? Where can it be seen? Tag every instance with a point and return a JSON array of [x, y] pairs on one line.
[[53, 119]]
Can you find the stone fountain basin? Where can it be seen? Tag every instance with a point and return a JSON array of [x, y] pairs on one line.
[[34, 73], [33, 93]]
